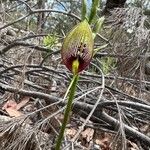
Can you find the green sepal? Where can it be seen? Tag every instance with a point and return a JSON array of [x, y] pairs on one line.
[[99, 48], [98, 26]]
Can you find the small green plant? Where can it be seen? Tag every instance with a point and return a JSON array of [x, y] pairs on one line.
[[107, 64], [50, 41]]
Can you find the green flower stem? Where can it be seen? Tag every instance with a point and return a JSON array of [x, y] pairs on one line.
[[67, 111], [84, 10], [95, 4]]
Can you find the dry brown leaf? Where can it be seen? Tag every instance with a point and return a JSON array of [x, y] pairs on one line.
[[10, 104], [13, 112], [133, 146], [71, 132], [11, 107], [88, 134], [104, 140], [23, 102], [86, 137]]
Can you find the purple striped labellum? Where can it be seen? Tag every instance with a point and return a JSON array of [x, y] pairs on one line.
[[77, 49]]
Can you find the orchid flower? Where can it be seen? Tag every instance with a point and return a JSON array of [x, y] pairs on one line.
[[77, 49]]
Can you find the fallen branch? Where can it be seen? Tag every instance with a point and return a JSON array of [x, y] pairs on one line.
[[84, 107]]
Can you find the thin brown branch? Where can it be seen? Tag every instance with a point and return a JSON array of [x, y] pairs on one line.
[[20, 43], [40, 11], [128, 130], [82, 106]]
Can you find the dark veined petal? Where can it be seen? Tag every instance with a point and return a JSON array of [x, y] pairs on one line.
[[78, 45]]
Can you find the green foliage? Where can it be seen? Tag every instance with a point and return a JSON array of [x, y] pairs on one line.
[[50, 41], [107, 64]]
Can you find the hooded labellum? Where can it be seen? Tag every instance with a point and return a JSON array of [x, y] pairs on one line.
[[78, 47]]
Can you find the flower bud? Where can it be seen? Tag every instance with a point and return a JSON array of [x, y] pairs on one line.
[[77, 49]]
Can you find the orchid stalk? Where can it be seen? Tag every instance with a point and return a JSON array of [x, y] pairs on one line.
[[67, 111], [77, 52]]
